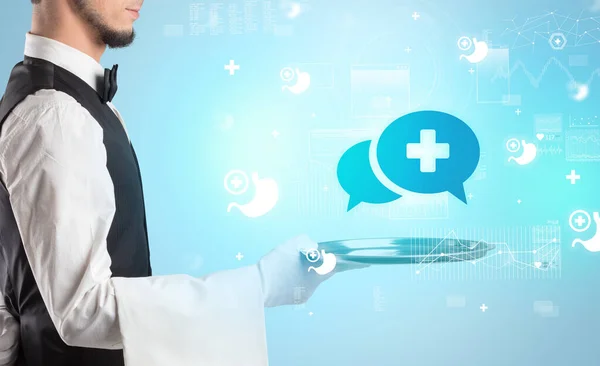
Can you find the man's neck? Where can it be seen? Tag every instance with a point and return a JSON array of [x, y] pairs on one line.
[[69, 30]]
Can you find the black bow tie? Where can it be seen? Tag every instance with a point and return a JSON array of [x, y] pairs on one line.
[[110, 84]]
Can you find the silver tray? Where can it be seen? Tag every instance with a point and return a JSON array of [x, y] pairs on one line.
[[405, 250]]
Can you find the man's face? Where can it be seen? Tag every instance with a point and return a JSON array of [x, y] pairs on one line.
[[112, 20]]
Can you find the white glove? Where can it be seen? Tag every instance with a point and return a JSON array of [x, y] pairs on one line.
[[285, 275]]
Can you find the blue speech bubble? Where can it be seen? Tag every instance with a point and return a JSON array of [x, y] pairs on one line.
[[429, 152], [358, 180]]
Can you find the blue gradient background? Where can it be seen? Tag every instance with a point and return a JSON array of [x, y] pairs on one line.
[[174, 96]]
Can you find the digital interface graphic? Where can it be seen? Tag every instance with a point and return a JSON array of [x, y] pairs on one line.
[[453, 148], [519, 253]]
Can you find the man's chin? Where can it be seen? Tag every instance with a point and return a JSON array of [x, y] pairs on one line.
[[118, 39]]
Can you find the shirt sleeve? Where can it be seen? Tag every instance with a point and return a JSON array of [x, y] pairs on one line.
[[62, 198], [215, 320], [63, 201]]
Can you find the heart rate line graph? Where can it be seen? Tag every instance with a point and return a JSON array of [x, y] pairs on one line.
[[535, 80], [550, 150], [582, 145], [520, 253]]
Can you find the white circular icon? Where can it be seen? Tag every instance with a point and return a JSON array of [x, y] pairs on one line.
[[313, 255], [513, 145], [464, 43], [578, 221], [236, 182], [286, 74]]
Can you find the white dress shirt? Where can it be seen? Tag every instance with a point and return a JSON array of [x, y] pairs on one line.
[[52, 125], [53, 163]]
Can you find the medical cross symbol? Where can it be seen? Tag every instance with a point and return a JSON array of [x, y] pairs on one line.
[[579, 221], [427, 151], [232, 67], [236, 182], [573, 177], [312, 254]]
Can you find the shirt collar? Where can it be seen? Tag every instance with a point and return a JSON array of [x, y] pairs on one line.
[[67, 57]]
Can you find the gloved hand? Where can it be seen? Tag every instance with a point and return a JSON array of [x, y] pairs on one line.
[[285, 275]]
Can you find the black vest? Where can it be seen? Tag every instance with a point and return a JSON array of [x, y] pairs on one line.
[[127, 239]]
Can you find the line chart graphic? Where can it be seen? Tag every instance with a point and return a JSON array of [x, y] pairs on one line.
[[582, 144], [550, 150], [527, 252], [535, 80], [591, 121]]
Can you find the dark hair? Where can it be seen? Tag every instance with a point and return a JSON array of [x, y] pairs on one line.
[[35, 2]]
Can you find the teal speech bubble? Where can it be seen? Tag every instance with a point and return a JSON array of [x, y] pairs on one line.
[[358, 180], [429, 152]]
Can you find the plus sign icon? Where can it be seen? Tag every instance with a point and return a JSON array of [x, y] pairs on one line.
[[557, 41], [236, 182], [580, 221], [423, 152], [313, 255]]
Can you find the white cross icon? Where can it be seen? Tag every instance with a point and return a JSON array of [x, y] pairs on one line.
[[239, 256], [408, 49], [232, 67], [236, 182], [427, 151], [483, 308], [518, 112], [573, 177], [415, 15], [579, 220]]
